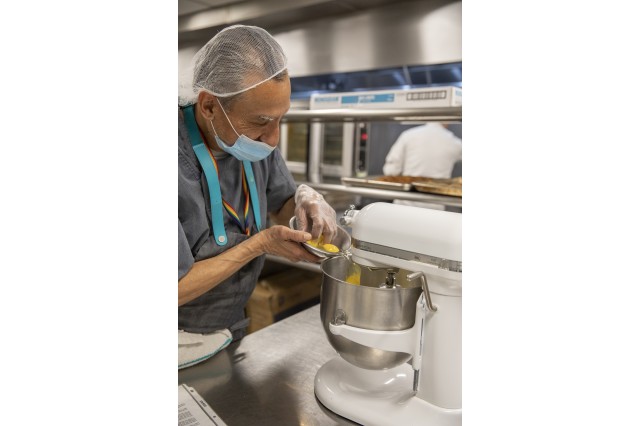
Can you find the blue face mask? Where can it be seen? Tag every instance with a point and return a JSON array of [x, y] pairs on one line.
[[244, 149]]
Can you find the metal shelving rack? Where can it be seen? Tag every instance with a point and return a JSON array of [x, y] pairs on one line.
[[451, 114], [385, 194], [441, 114]]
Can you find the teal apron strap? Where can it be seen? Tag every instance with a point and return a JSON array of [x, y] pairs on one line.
[[210, 173], [255, 202]]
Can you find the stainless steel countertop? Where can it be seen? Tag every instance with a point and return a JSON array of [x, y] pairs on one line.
[[267, 378]]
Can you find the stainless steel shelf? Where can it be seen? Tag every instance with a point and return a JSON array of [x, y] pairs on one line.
[[387, 195], [340, 115]]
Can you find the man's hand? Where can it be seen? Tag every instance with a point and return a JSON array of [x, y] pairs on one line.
[[282, 241], [314, 215]]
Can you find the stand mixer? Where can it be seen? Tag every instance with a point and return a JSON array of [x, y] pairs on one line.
[[398, 332]]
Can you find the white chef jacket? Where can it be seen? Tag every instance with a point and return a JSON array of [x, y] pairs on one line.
[[429, 150]]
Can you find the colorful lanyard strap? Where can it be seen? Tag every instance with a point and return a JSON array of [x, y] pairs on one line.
[[244, 225], [210, 168]]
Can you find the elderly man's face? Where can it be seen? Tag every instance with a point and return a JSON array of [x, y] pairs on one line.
[[256, 113]]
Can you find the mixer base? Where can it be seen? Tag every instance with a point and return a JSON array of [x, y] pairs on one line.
[[378, 397]]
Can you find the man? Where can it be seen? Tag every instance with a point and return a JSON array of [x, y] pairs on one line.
[[230, 176], [430, 150]]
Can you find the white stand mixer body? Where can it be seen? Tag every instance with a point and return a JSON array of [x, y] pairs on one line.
[[435, 342], [441, 367], [421, 240]]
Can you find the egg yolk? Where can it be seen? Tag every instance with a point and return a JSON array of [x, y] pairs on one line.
[[353, 279], [330, 248], [313, 243], [318, 243]]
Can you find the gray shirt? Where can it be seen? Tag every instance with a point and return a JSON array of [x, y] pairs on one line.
[[222, 306]]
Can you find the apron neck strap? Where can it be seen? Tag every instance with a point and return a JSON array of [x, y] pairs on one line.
[[213, 182], [210, 173]]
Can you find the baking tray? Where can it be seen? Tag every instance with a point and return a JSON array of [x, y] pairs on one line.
[[452, 189], [400, 183], [377, 184]]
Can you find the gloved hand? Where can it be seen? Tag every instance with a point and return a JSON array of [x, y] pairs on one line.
[[282, 241], [314, 215]]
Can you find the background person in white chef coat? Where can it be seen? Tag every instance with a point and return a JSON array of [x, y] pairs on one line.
[[429, 150]]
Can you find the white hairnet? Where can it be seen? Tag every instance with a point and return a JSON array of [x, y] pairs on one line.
[[235, 60]]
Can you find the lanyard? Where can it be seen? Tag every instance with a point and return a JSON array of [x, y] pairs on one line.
[[228, 207], [210, 168]]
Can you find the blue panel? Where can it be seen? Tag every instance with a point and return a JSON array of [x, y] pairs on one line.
[[368, 99]]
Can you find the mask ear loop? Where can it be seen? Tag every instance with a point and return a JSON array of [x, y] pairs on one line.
[[225, 114], [213, 127], [215, 134]]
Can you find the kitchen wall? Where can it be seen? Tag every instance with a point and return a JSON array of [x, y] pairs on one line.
[[405, 33]]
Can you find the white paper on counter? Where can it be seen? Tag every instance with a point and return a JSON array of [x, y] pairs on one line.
[[193, 410]]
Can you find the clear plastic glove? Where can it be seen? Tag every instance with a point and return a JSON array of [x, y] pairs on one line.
[[285, 242], [314, 215]]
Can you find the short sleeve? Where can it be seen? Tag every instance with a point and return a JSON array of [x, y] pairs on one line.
[[280, 186], [185, 258]]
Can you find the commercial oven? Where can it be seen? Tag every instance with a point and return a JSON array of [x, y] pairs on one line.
[[325, 152]]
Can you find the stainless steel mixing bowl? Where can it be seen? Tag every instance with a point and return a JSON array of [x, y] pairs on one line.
[[366, 306]]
